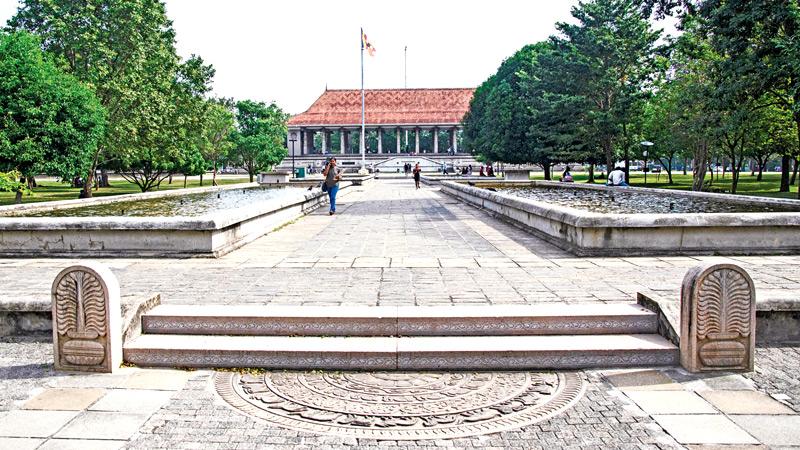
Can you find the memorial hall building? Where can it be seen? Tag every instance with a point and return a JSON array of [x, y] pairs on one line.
[[400, 123]]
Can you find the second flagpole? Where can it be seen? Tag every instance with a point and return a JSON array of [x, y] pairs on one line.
[[363, 123]]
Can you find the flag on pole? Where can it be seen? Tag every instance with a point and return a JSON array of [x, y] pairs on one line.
[[366, 45]]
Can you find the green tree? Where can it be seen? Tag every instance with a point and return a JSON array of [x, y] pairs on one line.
[[49, 122], [174, 131], [216, 139], [260, 135], [499, 123], [125, 51], [612, 58]]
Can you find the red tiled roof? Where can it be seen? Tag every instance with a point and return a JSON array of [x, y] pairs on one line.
[[387, 107]]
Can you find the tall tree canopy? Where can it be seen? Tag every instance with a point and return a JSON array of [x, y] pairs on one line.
[[122, 49], [612, 58], [49, 122]]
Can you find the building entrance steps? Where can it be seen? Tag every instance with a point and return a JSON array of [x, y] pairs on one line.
[[556, 336]]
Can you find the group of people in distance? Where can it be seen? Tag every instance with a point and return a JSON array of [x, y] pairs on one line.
[[615, 178], [484, 171]]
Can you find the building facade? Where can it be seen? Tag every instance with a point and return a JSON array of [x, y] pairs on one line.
[[398, 121]]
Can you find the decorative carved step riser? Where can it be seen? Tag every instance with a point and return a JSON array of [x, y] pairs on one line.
[[390, 361], [484, 326]]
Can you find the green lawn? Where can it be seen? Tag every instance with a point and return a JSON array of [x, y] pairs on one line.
[[51, 190], [748, 185]]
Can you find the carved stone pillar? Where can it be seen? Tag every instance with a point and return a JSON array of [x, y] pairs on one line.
[[341, 141], [380, 141], [454, 140], [416, 140], [346, 141], [718, 319], [324, 141], [302, 141], [87, 334], [435, 140]]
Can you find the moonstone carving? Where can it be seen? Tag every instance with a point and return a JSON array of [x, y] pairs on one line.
[[401, 405], [86, 319], [718, 318]]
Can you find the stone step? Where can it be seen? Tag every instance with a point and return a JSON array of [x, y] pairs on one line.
[[548, 319], [403, 353]]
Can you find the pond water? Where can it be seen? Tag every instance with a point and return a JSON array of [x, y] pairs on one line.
[[631, 201], [189, 205]]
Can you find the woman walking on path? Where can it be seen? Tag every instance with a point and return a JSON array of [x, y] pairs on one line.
[[332, 177], [417, 170]]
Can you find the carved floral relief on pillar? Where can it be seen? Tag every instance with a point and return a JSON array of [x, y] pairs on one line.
[[718, 318], [86, 319]]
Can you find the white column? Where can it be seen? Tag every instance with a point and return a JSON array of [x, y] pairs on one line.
[[397, 135], [454, 140], [324, 141], [435, 140], [416, 140], [341, 141], [380, 141]]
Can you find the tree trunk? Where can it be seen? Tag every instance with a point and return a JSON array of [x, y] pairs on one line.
[[699, 164], [201, 179], [752, 167], [786, 163], [669, 170], [214, 176], [32, 182], [591, 173], [18, 197], [545, 166], [87, 185], [170, 179], [685, 163], [794, 172], [184, 180], [607, 150], [760, 172], [251, 176]]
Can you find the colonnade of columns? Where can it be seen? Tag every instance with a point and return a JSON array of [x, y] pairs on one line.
[[304, 139]]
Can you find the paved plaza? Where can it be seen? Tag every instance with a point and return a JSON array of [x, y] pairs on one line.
[[390, 244]]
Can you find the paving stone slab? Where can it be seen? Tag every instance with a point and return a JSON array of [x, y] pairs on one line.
[[103, 425], [20, 443], [643, 380], [772, 430], [82, 444], [132, 401], [745, 402], [670, 402], [166, 380], [31, 423], [64, 399], [704, 429]]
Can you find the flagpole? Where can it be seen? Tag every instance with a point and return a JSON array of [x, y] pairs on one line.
[[363, 123]]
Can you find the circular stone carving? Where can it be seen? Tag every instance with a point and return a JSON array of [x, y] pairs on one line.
[[401, 406]]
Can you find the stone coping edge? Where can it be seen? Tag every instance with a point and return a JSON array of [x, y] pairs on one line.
[[208, 222], [585, 219]]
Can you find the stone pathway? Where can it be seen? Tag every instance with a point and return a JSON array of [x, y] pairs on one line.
[[636, 409], [393, 245]]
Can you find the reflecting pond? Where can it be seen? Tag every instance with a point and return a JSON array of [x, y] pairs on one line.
[[631, 201], [189, 205]]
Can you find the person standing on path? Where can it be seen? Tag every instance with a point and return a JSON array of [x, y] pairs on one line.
[[332, 177], [417, 171]]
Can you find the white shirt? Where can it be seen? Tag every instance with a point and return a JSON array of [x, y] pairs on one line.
[[616, 177]]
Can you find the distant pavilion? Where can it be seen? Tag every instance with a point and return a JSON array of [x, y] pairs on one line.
[[397, 121]]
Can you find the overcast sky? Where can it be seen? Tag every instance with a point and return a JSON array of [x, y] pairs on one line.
[[288, 51]]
